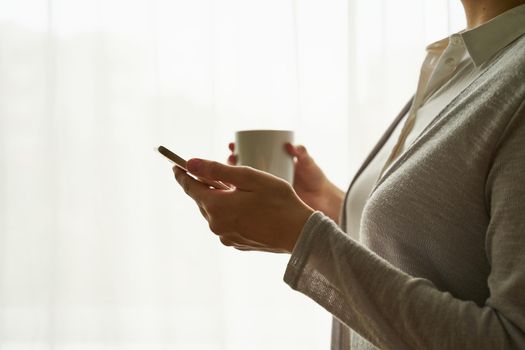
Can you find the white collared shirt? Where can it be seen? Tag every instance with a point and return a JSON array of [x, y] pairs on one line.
[[450, 66]]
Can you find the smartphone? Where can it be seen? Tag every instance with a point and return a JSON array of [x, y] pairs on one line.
[[181, 163]]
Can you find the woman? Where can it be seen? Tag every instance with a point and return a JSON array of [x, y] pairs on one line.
[[434, 254]]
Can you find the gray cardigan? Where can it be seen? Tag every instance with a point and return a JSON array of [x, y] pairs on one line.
[[441, 264]]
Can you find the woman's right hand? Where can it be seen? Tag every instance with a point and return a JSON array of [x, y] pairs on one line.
[[310, 183]]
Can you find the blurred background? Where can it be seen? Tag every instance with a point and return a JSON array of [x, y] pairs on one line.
[[99, 248]]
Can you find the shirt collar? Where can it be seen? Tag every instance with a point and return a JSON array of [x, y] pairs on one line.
[[486, 40]]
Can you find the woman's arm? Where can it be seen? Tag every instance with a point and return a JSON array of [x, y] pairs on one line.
[[396, 311]]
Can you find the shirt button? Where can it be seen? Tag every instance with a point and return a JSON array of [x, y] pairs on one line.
[[450, 61], [455, 40]]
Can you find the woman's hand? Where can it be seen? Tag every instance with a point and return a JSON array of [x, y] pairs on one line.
[[261, 212], [310, 183]]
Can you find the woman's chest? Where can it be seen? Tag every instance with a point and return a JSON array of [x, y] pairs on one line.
[[428, 215]]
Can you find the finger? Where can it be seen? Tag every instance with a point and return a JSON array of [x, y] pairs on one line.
[[296, 151], [231, 146], [244, 249], [193, 188], [238, 242], [226, 241], [203, 212], [290, 149], [232, 159], [257, 249], [240, 177]]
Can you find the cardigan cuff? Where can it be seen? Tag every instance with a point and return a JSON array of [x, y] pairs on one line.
[[302, 249]]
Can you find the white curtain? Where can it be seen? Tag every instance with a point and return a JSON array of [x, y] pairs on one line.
[[99, 248]]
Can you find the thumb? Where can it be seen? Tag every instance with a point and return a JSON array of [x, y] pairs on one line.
[[241, 177]]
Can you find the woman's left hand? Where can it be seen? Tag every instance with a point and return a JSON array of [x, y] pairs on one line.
[[261, 212]]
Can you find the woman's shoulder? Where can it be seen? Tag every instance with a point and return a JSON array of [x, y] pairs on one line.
[[499, 91], [509, 66]]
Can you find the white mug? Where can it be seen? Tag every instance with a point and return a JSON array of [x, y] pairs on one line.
[[264, 150]]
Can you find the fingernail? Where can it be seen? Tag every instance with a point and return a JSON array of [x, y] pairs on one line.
[[194, 165]]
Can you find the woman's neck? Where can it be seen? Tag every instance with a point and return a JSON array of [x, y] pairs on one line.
[[481, 11]]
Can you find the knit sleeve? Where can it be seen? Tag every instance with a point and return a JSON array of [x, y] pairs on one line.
[[394, 310]]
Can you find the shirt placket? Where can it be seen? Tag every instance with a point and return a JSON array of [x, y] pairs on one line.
[[438, 67]]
